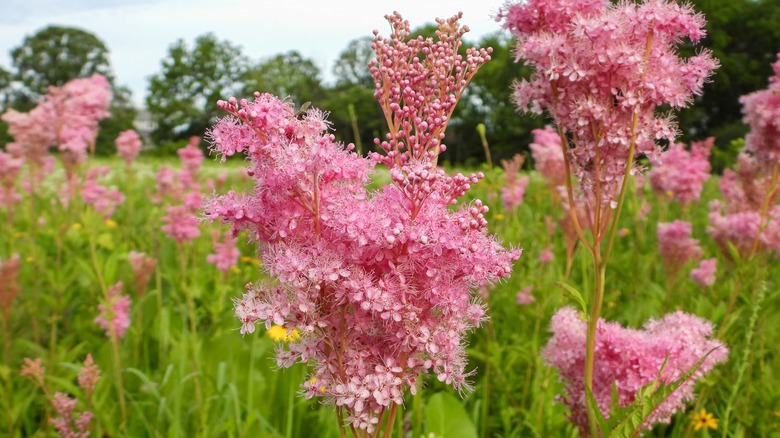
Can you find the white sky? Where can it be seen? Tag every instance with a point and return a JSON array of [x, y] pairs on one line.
[[139, 32]]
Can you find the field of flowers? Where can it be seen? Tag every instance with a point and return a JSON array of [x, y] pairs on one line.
[[612, 289]]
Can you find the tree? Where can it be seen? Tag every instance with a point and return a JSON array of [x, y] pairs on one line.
[[286, 75], [123, 114], [53, 56], [351, 67], [182, 98]]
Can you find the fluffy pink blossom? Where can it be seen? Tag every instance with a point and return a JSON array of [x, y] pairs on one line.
[[513, 192], [548, 156], [9, 284], [704, 275], [103, 199], [681, 173], [226, 253], [115, 312], [66, 423], [34, 369], [191, 156], [525, 296], [762, 113], [631, 359], [546, 256], [181, 224], [9, 169], [379, 284], [594, 74], [89, 374], [128, 145], [143, 268], [676, 245]]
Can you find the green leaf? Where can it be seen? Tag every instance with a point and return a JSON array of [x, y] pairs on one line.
[[106, 240], [574, 295], [445, 417]]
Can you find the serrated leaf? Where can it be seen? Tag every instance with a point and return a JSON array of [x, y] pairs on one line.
[[575, 295]]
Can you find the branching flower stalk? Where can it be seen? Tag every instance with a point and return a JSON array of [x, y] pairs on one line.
[[378, 285], [600, 72]]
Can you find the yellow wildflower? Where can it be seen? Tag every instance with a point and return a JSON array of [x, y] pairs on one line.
[[705, 420], [499, 217], [111, 224], [76, 226], [234, 269], [280, 334], [18, 235], [30, 259]]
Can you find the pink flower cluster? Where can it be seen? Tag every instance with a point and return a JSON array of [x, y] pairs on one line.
[[631, 359], [143, 268], [378, 284], [680, 173], [739, 220], [114, 315], [226, 253], [548, 156], [103, 199], [762, 113], [704, 275], [513, 192], [184, 189], [525, 296], [65, 422], [128, 145], [676, 245], [600, 70], [9, 170]]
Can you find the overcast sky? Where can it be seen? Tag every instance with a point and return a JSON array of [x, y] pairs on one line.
[[139, 32]]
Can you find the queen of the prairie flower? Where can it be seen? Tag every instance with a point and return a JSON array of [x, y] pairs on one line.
[[377, 284], [631, 359]]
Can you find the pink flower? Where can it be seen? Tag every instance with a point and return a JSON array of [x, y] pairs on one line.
[[681, 173], [676, 245], [34, 370], [128, 145], [226, 253], [114, 315], [594, 75], [631, 359], [181, 224], [191, 156], [704, 275], [66, 423], [548, 156], [513, 192], [9, 169], [143, 268], [378, 284], [88, 376], [103, 199], [546, 256], [762, 111], [9, 284], [524, 296]]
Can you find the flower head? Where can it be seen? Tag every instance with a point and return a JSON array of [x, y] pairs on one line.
[[114, 315], [631, 359], [128, 145], [704, 275], [88, 376], [705, 420]]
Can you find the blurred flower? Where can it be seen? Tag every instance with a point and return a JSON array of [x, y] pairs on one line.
[[88, 376], [66, 423], [128, 145], [114, 315], [704, 275], [226, 253], [34, 370], [524, 296], [111, 224], [143, 268]]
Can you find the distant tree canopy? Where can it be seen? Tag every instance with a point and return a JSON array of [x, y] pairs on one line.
[[182, 98], [53, 56], [286, 75]]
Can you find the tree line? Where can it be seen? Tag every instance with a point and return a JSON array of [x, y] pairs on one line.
[[181, 96]]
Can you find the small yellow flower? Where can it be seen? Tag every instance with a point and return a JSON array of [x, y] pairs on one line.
[[246, 259], [499, 217], [670, 194], [235, 270], [111, 224], [611, 304], [323, 389], [280, 334], [76, 226], [705, 420], [30, 259], [18, 235]]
